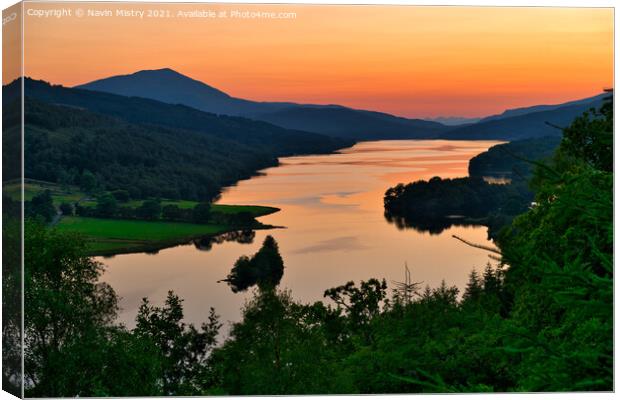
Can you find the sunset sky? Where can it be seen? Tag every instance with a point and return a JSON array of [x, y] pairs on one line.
[[410, 61]]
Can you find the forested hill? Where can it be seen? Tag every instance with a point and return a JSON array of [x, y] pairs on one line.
[[261, 135], [512, 158], [68, 145], [357, 124], [513, 112], [531, 124]]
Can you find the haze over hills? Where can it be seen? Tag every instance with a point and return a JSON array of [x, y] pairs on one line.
[[454, 121], [169, 86], [526, 124], [172, 87], [544, 107], [354, 124]]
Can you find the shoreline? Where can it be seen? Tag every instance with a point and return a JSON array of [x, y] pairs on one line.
[[102, 243], [154, 247]]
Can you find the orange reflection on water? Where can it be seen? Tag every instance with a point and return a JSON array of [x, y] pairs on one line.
[[335, 231]]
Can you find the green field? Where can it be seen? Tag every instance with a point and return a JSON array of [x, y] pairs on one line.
[[72, 194], [256, 211], [118, 229], [113, 236]]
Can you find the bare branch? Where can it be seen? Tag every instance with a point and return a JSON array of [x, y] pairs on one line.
[[479, 246]]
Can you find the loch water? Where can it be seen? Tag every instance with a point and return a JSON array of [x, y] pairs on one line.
[[333, 230]]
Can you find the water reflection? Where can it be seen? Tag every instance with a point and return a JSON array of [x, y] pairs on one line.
[[264, 269], [432, 226], [335, 231], [242, 237]]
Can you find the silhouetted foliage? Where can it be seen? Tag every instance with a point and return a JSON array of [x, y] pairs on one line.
[[66, 208], [171, 212], [201, 213], [107, 206], [590, 137], [122, 196], [41, 206], [87, 181], [150, 209], [264, 269], [183, 348], [206, 243], [440, 203], [67, 308], [12, 311]]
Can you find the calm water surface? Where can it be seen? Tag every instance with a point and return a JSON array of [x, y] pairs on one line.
[[335, 231]]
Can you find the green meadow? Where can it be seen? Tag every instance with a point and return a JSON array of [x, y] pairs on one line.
[[113, 236]]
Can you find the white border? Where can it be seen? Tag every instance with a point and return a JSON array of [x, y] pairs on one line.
[[484, 3]]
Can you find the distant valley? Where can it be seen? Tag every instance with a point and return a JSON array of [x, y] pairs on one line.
[[175, 124], [168, 86]]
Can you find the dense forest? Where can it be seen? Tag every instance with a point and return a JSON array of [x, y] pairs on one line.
[[539, 320], [513, 159], [76, 147], [149, 148], [73, 146], [441, 203]]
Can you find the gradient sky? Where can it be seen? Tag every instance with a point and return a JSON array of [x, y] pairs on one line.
[[406, 60]]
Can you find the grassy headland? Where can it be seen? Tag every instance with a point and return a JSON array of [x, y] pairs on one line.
[[117, 236], [108, 235]]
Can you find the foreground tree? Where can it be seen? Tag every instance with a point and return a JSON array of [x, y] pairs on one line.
[[280, 347], [561, 266], [71, 343], [182, 348]]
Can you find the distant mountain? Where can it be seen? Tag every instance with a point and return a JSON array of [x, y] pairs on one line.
[[453, 121], [544, 107], [525, 125], [169, 86]]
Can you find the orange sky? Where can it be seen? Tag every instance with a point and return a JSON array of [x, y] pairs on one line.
[[410, 61]]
